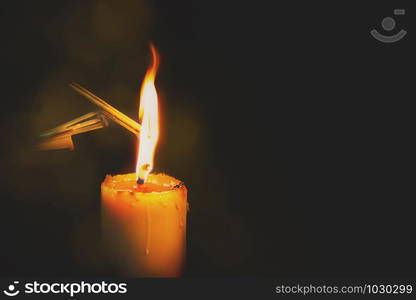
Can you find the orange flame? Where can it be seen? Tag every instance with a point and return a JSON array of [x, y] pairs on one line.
[[148, 118]]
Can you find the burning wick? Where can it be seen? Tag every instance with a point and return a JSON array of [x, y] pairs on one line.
[[149, 121], [145, 168]]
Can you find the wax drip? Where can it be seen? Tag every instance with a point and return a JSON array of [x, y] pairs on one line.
[[178, 207], [148, 221]]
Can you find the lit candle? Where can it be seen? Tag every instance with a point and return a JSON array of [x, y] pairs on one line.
[[144, 214], [144, 226]]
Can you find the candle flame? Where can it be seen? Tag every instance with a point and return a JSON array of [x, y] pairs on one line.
[[148, 118]]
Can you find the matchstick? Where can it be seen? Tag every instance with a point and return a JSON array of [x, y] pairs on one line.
[[109, 111], [60, 137]]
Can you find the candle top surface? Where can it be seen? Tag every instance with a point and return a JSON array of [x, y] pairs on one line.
[[154, 183]]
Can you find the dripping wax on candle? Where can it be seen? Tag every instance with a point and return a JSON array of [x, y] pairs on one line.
[[144, 226]]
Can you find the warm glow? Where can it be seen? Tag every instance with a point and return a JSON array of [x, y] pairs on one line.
[[148, 118]]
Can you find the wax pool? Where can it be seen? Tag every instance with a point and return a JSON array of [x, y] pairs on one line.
[[144, 226]]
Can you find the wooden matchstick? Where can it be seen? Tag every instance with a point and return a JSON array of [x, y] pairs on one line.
[[60, 137], [59, 142], [82, 123], [109, 111]]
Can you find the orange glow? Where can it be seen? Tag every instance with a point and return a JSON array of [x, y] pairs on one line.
[[148, 118]]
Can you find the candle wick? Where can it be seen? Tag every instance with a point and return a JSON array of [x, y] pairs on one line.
[[144, 169], [140, 180]]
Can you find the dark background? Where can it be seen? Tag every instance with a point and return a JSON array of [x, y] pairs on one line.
[[290, 125]]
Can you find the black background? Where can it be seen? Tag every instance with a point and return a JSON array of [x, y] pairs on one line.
[[290, 125]]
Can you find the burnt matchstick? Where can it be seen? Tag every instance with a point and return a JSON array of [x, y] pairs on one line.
[[109, 111]]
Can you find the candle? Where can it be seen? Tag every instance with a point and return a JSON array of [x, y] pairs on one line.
[[144, 225], [144, 214]]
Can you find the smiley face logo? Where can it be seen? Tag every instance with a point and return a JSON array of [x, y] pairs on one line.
[[389, 24], [11, 289]]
